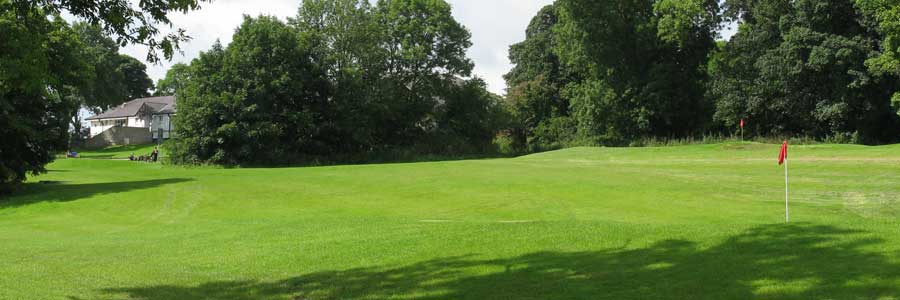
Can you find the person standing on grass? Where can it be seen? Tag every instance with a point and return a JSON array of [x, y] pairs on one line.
[[155, 154]]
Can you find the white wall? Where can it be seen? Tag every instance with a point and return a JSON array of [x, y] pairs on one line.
[[163, 122], [138, 121], [99, 126], [152, 123]]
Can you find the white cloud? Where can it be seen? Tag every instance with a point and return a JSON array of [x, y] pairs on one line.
[[216, 20], [495, 25]]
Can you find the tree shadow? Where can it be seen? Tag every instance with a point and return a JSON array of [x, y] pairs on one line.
[[799, 261], [52, 191]]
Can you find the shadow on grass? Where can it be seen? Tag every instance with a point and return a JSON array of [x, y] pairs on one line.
[[96, 156], [768, 262], [51, 191], [121, 148]]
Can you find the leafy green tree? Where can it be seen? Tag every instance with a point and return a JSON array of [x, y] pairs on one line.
[[643, 66], [40, 73], [425, 48], [200, 111], [346, 40], [468, 118], [131, 24], [116, 77], [134, 72], [884, 15], [177, 78], [106, 88], [536, 82], [800, 68], [262, 107], [343, 77]]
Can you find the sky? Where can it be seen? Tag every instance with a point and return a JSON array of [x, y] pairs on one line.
[[494, 24]]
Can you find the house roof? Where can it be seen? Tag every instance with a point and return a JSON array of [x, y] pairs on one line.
[[156, 105]]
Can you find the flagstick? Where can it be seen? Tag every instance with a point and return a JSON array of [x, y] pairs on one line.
[[787, 213]]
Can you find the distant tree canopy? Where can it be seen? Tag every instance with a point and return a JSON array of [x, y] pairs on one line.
[[610, 72], [343, 77], [177, 78], [113, 78], [350, 77], [49, 69]]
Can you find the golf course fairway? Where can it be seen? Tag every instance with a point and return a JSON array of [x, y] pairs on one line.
[[687, 222]]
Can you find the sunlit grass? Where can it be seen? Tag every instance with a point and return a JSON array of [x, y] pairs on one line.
[[687, 222]]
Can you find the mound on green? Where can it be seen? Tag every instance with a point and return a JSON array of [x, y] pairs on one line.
[[692, 222]]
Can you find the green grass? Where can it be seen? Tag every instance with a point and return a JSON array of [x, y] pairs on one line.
[[691, 222], [117, 152]]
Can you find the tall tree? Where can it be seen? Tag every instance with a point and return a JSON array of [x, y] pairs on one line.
[[537, 80], [346, 39], [644, 65], [200, 110], [40, 73], [134, 73], [426, 48], [265, 103]]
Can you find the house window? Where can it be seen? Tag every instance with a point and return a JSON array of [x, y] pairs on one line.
[[120, 122]]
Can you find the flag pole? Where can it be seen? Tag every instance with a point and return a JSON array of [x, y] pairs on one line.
[[787, 212]]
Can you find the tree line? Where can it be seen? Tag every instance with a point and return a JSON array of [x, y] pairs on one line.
[[341, 78], [345, 78], [613, 72]]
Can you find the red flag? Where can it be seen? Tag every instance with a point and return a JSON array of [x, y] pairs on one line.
[[742, 123], [783, 155]]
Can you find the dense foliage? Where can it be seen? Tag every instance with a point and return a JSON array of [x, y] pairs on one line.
[[38, 69], [800, 68], [342, 78], [350, 77], [615, 71], [612, 71]]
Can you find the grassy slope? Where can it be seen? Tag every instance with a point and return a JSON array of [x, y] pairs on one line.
[[694, 222]]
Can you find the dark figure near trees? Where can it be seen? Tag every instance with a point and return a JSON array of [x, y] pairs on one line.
[[155, 155]]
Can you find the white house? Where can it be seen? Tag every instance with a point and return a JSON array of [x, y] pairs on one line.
[[154, 113]]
